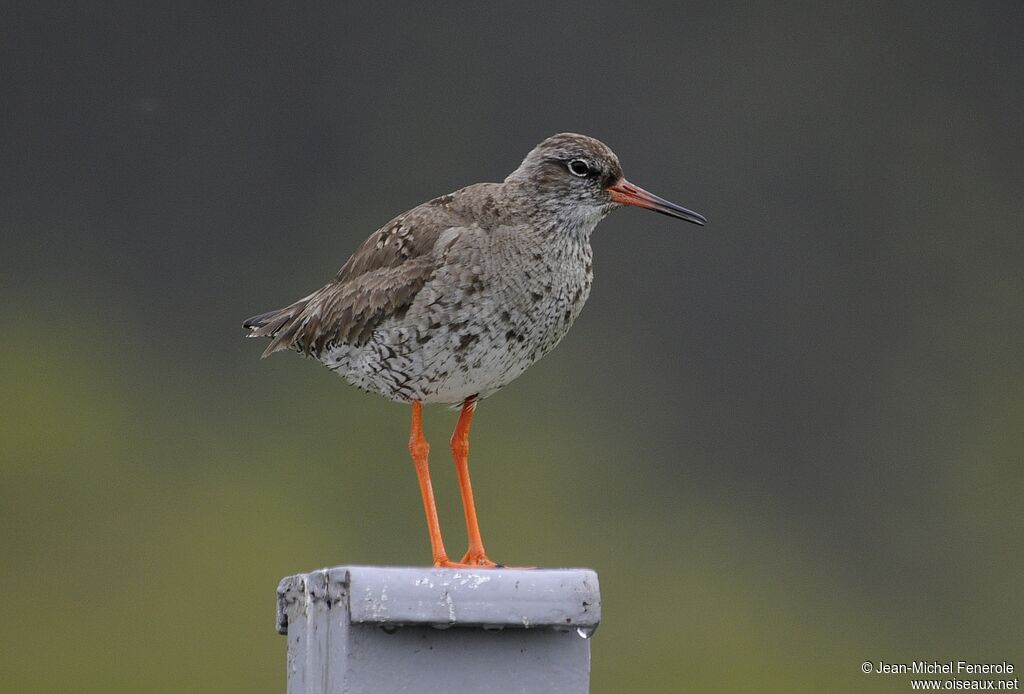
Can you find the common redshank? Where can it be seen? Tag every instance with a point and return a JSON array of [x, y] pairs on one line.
[[452, 300]]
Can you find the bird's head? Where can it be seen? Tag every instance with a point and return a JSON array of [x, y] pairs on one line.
[[580, 176]]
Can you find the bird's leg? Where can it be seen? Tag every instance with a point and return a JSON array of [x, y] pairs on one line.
[[420, 450], [475, 556]]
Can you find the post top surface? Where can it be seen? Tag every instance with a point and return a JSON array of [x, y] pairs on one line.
[[491, 598]]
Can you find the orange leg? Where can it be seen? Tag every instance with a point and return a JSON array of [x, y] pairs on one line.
[[475, 556], [420, 450]]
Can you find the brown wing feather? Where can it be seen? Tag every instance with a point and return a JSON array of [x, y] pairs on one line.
[[381, 279]]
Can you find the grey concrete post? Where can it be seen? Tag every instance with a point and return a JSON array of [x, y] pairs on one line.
[[386, 629]]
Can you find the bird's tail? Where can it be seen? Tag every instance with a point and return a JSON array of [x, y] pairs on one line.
[[282, 326]]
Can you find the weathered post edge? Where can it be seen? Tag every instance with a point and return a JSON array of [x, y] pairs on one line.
[[367, 629]]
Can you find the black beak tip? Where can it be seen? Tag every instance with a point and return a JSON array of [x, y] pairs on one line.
[[684, 214]]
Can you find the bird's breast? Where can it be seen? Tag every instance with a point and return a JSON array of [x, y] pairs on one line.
[[488, 313], [539, 290]]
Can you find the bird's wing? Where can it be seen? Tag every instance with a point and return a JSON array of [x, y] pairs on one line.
[[381, 279]]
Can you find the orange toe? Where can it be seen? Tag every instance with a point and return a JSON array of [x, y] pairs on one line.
[[478, 559], [475, 561]]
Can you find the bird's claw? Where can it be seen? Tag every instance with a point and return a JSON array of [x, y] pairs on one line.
[[471, 560], [475, 562], [478, 560]]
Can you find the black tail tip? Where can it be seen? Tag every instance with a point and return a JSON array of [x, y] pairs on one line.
[[257, 321]]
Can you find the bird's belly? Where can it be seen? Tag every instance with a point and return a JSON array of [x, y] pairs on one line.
[[449, 348]]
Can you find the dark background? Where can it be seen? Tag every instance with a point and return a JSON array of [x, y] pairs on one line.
[[789, 442]]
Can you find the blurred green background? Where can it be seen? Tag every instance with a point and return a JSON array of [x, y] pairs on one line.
[[789, 442]]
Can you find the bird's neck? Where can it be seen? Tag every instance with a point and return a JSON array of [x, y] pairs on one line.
[[554, 218], [564, 227]]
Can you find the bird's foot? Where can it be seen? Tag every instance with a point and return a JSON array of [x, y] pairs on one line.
[[471, 560], [478, 559], [484, 564]]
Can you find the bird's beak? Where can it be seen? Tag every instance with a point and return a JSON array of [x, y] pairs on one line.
[[625, 193]]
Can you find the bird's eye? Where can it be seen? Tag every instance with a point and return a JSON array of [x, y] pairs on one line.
[[578, 167]]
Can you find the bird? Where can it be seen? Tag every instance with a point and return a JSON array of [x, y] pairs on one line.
[[452, 300]]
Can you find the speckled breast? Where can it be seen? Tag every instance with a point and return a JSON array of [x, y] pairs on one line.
[[499, 302]]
